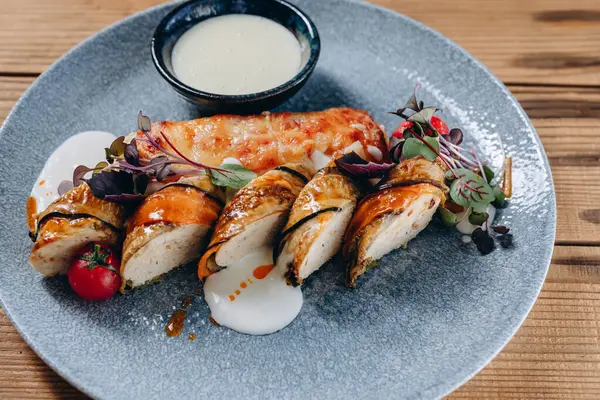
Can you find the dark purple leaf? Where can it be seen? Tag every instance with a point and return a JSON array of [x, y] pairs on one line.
[[396, 151], [483, 241], [109, 183], [131, 154], [79, 173], [144, 123], [506, 241], [455, 136], [500, 229], [354, 165], [140, 183]]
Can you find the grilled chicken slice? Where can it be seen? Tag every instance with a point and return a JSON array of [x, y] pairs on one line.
[[314, 231], [388, 219], [254, 216], [170, 228], [263, 142], [69, 223]]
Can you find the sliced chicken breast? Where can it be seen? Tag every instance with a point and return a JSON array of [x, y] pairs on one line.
[[68, 224], [254, 216], [391, 217], [314, 231], [169, 229]]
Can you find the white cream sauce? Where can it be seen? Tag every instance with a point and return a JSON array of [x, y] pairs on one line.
[[85, 148], [248, 302], [236, 54]]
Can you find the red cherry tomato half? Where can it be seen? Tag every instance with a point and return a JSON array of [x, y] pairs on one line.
[[93, 274], [398, 133], [439, 125]]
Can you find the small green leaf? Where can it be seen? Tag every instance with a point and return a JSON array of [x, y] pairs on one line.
[[427, 152], [489, 174], [470, 189], [448, 217], [99, 167], [413, 147], [499, 197], [236, 178], [478, 218], [108, 155], [423, 116], [117, 147]]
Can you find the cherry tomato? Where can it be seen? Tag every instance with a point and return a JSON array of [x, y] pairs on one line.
[[93, 274], [439, 125], [435, 121], [399, 132]]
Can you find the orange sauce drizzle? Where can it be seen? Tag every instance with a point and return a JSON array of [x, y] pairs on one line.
[[31, 208], [42, 182], [175, 323], [262, 271]]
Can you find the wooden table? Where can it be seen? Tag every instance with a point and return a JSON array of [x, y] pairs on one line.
[[548, 54]]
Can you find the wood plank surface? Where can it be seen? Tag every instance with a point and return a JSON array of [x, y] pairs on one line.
[[551, 41], [547, 51]]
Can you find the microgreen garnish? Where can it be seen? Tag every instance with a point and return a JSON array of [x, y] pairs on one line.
[[483, 241], [238, 179], [470, 180], [124, 176], [356, 166]]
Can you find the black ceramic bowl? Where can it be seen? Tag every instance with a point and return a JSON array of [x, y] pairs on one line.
[[192, 12]]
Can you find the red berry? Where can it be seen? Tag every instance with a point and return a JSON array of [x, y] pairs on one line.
[[439, 125]]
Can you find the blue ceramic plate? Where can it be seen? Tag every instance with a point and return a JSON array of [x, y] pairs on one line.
[[417, 327]]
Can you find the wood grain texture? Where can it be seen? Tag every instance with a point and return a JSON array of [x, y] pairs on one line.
[[551, 41], [548, 49]]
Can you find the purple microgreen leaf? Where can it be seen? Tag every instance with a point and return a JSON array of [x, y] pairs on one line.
[[506, 241], [483, 241], [131, 154], [455, 136], [79, 173], [500, 229], [396, 150], [111, 183], [64, 187], [144, 123], [140, 184], [236, 179], [354, 165], [412, 103]]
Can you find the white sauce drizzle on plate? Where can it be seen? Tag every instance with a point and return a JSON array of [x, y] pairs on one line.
[[242, 299], [85, 148], [236, 54]]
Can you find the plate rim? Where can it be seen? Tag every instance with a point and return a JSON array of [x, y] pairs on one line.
[[450, 383]]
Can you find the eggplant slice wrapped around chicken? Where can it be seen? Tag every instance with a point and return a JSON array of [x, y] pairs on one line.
[[254, 216], [315, 229], [73, 220], [391, 217], [170, 228]]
